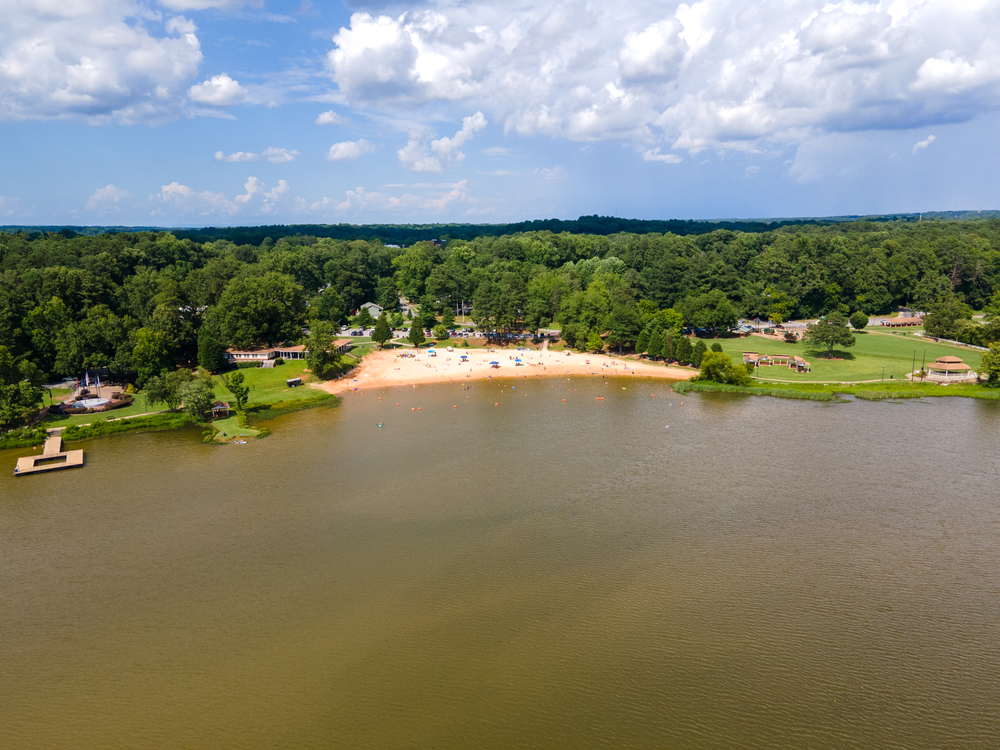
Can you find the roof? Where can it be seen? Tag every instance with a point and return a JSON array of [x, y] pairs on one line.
[[948, 361], [297, 348], [341, 342], [948, 367]]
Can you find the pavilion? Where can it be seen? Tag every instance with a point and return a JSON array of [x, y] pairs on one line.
[[949, 370]]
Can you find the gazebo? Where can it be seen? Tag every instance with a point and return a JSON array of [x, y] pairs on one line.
[[220, 408], [949, 369]]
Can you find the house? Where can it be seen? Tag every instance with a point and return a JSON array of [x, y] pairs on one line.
[[949, 370], [374, 310], [902, 322]]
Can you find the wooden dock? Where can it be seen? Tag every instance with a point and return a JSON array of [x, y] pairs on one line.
[[53, 458]]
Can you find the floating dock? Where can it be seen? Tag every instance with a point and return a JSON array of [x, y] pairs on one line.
[[53, 458]]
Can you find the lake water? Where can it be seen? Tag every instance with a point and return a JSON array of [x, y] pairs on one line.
[[761, 574]]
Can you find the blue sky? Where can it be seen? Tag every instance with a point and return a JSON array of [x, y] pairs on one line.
[[221, 112]]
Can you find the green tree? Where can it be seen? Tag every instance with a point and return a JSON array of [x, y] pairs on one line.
[[716, 346], [382, 333], [448, 317], [19, 398], [828, 333], [699, 351], [717, 367], [440, 332], [642, 342], [324, 361], [594, 341], [198, 397], [683, 351], [166, 389], [328, 306], [655, 347], [209, 350], [256, 310], [989, 366], [241, 392], [364, 319], [416, 334], [150, 355], [859, 320]]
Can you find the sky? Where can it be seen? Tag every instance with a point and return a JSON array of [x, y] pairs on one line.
[[227, 112]]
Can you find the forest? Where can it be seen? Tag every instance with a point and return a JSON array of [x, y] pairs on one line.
[[142, 303]]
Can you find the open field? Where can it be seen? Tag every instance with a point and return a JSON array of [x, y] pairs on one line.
[[863, 361], [267, 385]]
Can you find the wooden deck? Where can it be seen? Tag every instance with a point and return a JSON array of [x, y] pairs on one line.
[[53, 458]]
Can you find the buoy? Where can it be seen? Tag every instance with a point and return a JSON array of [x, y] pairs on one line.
[[380, 398], [412, 409], [419, 409], [496, 404], [564, 401], [455, 407], [397, 404]]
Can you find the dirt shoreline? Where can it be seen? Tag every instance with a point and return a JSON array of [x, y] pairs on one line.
[[383, 369]]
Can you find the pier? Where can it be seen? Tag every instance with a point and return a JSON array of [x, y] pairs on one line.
[[53, 458]]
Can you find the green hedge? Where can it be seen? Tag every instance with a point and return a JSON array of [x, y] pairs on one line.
[[152, 423], [269, 411], [26, 437]]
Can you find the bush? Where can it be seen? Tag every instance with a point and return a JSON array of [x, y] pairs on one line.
[[26, 437], [279, 361], [152, 423], [790, 337]]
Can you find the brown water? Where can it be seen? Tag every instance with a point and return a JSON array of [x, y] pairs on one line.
[[762, 574]]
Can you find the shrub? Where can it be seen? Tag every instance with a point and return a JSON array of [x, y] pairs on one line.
[[279, 361]]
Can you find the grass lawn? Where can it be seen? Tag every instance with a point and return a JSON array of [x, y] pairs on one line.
[[65, 420], [228, 429], [863, 361], [267, 384]]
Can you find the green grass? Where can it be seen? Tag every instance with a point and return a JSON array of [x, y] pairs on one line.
[[863, 361], [267, 384], [228, 428], [67, 420], [794, 393], [101, 428]]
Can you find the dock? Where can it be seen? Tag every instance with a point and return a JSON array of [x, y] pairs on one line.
[[53, 458]]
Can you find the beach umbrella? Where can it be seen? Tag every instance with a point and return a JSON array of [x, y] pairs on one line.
[[494, 363]]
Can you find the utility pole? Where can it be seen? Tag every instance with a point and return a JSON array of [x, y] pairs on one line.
[[914, 365], [923, 360]]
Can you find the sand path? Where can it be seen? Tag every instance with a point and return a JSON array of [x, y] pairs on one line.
[[392, 368]]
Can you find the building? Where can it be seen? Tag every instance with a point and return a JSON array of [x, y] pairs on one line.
[[374, 310], [949, 370], [267, 354]]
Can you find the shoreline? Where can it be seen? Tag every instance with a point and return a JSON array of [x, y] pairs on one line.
[[389, 368]]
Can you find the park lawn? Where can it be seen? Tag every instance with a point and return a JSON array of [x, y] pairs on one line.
[[267, 384], [863, 361], [65, 420], [229, 428]]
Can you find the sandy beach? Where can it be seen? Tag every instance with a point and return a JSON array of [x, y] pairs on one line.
[[394, 368]]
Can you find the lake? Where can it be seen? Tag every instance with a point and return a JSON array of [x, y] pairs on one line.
[[706, 571]]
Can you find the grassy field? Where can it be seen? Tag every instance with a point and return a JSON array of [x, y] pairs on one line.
[[267, 385], [863, 361]]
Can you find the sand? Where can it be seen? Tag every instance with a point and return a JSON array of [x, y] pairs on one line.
[[391, 368]]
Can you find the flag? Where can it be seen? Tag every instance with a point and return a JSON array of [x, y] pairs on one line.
[[87, 379]]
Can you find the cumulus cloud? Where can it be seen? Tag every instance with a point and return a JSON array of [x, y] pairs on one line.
[[180, 200], [9, 206], [271, 154], [329, 118], [348, 150], [924, 143], [218, 91], [107, 198], [414, 154], [710, 74], [101, 60]]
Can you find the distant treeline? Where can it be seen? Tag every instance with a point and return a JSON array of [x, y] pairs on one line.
[[140, 303], [408, 234]]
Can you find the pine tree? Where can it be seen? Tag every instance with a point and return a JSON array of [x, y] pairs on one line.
[[656, 343], [684, 351], [642, 343], [416, 335], [382, 332], [669, 350], [699, 351], [209, 350]]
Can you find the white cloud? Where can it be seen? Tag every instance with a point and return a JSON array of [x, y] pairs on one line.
[[107, 198], [924, 143], [218, 91], [329, 118], [180, 200], [433, 198], [414, 154], [653, 154], [206, 4], [712, 74], [349, 150], [272, 154], [555, 173], [101, 60]]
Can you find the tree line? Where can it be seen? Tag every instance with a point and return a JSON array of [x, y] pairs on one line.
[[145, 303]]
